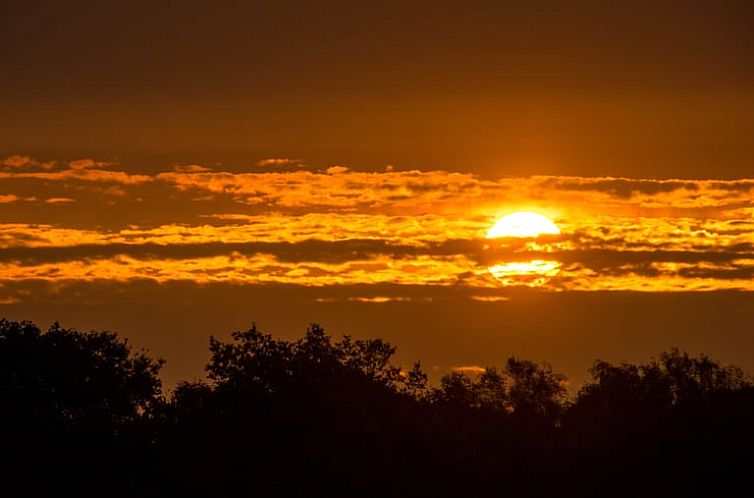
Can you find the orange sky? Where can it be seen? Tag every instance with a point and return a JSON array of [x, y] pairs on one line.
[[204, 166]]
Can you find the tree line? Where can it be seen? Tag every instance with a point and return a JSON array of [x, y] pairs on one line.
[[82, 414]]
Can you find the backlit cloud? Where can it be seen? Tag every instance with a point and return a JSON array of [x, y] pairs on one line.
[[279, 161], [83, 175], [18, 161], [87, 164], [191, 168], [345, 227], [59, 200]]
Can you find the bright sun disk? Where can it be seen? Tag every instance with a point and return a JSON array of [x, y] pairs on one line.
[[533, 273], [523, 224]]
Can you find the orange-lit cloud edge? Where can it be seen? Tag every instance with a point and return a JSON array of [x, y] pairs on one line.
[[86, 220]]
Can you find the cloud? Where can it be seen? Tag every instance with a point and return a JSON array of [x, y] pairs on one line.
[[191, 168], [339, 226], [279, 161], [83, 175], [26, 162], [385, 299], [336, 170], [12, 198], [18, 161], [59, 200], [413, 191], [441, 191], [447, 234], [647, 193], [340, 188], [490, 299], [311, 250], [315, 262], [621, 187], [87, 164], [469, 369], [258, 269]]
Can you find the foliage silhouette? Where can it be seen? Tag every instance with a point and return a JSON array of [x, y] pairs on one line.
[[320, 417], [74, 404]]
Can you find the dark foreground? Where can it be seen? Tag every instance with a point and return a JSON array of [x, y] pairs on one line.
[[82, 415]]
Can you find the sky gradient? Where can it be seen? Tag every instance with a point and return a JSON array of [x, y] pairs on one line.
[[181, 170]]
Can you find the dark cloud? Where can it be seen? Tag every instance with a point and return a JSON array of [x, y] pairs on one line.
[[710, 263], [739, 186], [735, 272], [599, 258], [299, 252], [619, 187]]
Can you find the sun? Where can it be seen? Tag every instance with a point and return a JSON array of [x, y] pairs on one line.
[[523, 224], [511, 267]]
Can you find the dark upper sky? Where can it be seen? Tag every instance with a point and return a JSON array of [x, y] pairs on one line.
[[642, 89]]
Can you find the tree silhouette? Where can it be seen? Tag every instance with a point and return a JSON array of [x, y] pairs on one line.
[[458, 389], [524, 389], [492, 390], [416, 383], [671, 418], [332, 409], [71, 401], [535, 391], [83, 415]]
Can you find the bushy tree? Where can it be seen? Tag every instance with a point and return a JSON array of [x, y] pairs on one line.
[[255, 359], [77, 406], [63, 375], [535, 391], [524, 390], [631, 395]]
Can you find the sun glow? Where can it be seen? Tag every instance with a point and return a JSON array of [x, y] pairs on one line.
[[530, 273], [523, 224]]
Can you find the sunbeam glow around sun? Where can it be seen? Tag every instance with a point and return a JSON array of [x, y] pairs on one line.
[[523, 224]]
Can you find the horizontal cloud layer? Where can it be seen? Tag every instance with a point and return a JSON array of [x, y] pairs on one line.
[[85, 220]]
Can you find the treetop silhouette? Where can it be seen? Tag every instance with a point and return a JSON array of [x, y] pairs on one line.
[[322, 417]]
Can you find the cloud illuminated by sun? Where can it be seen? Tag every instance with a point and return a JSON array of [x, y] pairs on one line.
[[523, 224], [308, 227]]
